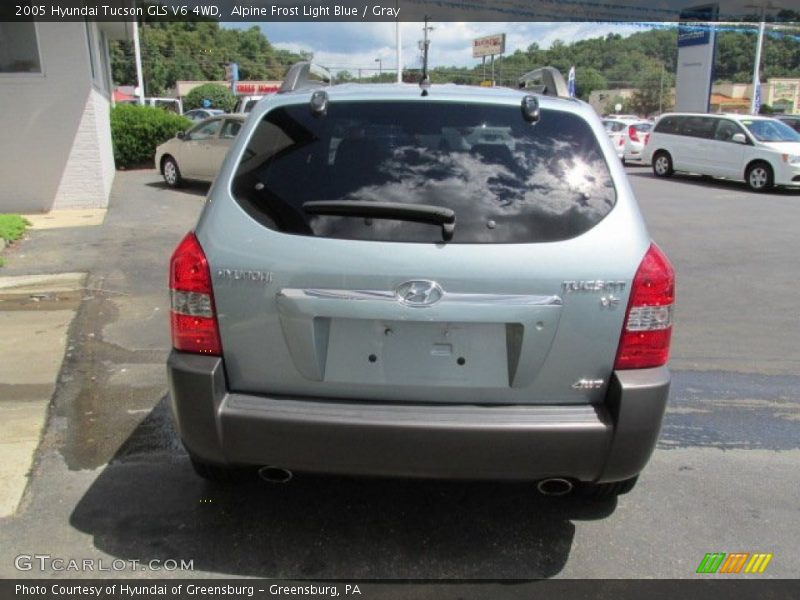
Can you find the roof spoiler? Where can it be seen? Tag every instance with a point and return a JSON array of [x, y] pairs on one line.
[[305, 75], [550, 82]]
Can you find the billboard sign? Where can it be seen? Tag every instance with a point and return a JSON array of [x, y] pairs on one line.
[[693, 26], [489, 45], [696, 49]]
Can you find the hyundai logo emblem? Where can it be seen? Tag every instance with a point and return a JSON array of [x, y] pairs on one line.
[[419, 293]]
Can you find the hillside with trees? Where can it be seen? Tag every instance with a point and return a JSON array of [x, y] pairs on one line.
[[196, 51]]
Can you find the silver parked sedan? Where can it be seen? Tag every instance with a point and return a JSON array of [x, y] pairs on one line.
[[199, 114], [198, 153]]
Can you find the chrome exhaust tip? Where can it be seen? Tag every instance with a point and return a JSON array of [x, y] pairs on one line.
[[275, 474], [555, 486]]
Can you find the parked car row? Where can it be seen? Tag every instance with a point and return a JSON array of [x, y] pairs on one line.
[[629, 135]]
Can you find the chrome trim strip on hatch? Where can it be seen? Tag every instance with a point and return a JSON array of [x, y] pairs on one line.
[[447, 297]]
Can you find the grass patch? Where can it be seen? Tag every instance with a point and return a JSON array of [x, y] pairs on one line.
[[12, 227]]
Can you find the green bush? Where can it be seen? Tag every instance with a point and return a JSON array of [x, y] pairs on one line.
[[219, 96], [137, 130], [12, 227]]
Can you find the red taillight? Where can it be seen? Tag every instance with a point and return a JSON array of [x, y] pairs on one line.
[[633, 133], [648, 320], [192, 314]]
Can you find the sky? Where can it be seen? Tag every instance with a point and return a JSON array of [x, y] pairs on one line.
[[352, 46]]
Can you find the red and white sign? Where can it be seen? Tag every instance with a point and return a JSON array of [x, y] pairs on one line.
[[243, 87], [489, 45]]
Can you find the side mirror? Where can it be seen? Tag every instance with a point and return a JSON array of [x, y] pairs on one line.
[[182, 135], [739, 138]]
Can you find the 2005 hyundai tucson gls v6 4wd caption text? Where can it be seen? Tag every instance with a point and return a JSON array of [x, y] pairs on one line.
[[449, 284]]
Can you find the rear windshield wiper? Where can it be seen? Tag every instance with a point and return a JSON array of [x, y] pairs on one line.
[[419, 213]]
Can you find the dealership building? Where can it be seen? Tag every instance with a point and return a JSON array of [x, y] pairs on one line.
[[56, 90]]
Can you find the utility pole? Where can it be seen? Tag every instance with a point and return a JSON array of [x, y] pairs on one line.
[[425, 45], [380, 68], [661, 91]]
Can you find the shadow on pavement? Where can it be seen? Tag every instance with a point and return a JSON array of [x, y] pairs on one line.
[[193, 188], [708, 181], [148, 504]]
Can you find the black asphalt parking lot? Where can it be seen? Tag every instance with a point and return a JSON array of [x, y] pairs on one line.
[[112, 481]]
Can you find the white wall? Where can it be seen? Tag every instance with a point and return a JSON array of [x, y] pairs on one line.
[[55, 149], [89, 171]]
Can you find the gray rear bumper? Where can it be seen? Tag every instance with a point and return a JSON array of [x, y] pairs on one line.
[[609, 442]]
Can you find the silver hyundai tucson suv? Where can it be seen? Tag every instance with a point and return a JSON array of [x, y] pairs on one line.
[[452, 282]]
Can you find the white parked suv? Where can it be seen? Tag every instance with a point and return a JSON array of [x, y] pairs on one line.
[[763, 152]]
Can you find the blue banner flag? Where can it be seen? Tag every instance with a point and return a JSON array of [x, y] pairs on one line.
[[571, 82]]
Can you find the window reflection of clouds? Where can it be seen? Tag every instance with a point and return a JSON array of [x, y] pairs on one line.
[[459, 179], [534, 183], [560, 185]]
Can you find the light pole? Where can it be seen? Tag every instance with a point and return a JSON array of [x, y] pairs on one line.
[[399, 45], [759, 44], [137, 54], [755, 96], [380, 67]]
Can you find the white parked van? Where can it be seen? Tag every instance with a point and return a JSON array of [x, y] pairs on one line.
[[761, 151]]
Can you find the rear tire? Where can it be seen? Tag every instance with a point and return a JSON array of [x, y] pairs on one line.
[[662, 164], [600, 491], [171, 172], [759, 177], [219, 474]]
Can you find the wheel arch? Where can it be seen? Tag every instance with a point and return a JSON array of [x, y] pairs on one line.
[[756, 161], [164, 158]]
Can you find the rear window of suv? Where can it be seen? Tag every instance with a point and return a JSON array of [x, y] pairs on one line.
[[507, 180]]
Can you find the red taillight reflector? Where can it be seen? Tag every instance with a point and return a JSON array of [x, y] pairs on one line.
[[188, 269], [198, 335], [633, 133], [192, 314], [647, 330]]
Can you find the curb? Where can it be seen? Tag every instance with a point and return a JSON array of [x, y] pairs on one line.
[[36, 313]]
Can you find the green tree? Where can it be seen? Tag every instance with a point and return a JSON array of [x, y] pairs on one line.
[[652, 93], [198, 50], [216, 95], [587, 80]]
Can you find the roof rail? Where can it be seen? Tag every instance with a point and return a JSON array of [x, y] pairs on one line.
[[551, 80], [305, 75]]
